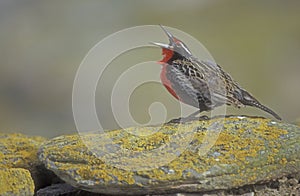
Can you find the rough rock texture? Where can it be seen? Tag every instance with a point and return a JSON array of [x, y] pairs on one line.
[[64, 189], [57, 189], [289, 186], [177, 157], [20, 151], [16, 182]]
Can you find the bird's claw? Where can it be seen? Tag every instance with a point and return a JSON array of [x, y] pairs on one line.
[[175, 121], [187, 119], [204, 117]]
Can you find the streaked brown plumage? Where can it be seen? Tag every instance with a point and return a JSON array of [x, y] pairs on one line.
[[201, 84]]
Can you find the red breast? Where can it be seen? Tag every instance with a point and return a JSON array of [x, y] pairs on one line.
[[167, 54]]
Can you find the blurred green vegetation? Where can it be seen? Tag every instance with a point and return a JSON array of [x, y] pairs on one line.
[[43, 42]]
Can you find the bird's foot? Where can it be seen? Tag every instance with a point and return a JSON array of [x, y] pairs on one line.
[[187, 119], [204, 117], [175, 121], [193, 118]]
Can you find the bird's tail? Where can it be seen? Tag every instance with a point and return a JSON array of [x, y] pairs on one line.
[[251, 101]]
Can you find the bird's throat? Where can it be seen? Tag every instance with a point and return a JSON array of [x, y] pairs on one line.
[[167, 54]]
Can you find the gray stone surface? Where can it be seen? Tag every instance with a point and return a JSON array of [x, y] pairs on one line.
[[247, 151]]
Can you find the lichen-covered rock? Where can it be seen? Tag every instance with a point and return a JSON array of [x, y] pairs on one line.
[[16, 182], [198, 156], [20, 151]]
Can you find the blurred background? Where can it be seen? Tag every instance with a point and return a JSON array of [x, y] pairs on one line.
[[42, 44]]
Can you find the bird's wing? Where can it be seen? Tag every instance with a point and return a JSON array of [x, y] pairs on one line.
[[217, 81]]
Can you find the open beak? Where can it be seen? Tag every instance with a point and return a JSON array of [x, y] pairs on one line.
[[170, 36], [171, 40], [161, 45]]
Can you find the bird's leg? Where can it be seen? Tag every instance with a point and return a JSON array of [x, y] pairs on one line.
[[190, 117], [185, 119], [193, 115]]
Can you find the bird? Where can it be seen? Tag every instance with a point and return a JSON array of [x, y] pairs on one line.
[[200, 83]]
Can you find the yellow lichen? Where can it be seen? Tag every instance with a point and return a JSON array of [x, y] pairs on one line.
[[283, 161], [239, 144], [18, 150], [16, 181]]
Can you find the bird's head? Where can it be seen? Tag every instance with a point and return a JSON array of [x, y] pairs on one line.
[[175, 47]]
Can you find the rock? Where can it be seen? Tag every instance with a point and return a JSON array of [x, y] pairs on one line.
[[57, 189], [195, 157], [16, 182], [63, 189], [20, 151]]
